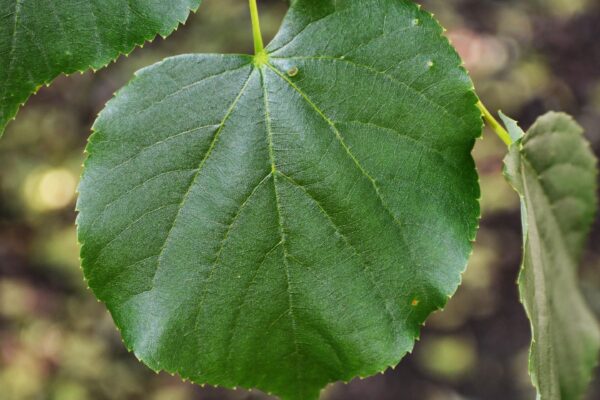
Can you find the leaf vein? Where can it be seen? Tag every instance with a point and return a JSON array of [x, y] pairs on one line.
[[200, 167], [280, 223], [366, 267], [408, 86], [352, 157]]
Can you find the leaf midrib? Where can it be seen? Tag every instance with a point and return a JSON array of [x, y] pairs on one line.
[[539, 295], [280, 223]]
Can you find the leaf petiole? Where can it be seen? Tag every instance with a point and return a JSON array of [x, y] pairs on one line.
[[258, 41], [494, 124]]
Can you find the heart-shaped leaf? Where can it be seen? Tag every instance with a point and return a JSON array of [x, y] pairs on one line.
[[290, 219], [41, 39], [554, 171]]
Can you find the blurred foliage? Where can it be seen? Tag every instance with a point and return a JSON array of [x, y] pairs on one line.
[[57, 342]]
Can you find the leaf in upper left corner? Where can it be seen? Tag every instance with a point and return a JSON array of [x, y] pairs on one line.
[[41, 39]]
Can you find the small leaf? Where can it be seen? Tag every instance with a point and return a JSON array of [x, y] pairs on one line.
[[286, 221], [41, 39], [554, 171], [512, 126]]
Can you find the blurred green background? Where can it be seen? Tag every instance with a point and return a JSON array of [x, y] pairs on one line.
[[58, 342]]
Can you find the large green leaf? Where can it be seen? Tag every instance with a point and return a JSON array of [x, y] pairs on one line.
[[554, 171], [40, 39], [289, 220]]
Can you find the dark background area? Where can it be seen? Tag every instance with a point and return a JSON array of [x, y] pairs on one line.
[[57, 342]]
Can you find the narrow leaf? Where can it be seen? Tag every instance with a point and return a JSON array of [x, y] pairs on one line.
[[512, 126], [554, 171], [41, 39], [291, 219]]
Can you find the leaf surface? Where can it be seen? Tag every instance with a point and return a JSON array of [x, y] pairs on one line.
[[41, 39], [554, 171], [287, 222]]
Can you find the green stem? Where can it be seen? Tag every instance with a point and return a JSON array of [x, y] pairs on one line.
[[494, 124], [258, 41]]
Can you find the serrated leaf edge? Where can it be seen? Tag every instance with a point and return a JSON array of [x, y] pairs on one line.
[[113, 59], [378, 370]]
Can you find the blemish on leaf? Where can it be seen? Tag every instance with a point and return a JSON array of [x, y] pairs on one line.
[[430, 64], [293, 71], [416, 21], [415, 302]]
